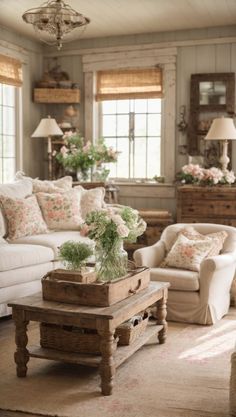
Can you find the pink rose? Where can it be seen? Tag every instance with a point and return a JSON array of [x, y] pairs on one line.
[[122, 230]]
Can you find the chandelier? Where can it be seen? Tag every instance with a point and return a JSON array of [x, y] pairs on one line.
[[54, 20]]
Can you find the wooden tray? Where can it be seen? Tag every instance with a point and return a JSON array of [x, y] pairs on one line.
[[100, 294]]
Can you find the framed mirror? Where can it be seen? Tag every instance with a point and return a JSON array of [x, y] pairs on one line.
[[211, 95]]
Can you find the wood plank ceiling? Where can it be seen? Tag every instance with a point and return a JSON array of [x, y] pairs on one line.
[[124, 17]]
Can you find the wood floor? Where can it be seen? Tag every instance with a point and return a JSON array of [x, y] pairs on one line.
[[6, 327]]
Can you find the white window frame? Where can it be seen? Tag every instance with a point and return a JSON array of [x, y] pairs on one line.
[[145, 56], [100, 125], [18, 130]]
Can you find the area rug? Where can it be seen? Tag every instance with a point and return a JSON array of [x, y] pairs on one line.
[[188, 376]]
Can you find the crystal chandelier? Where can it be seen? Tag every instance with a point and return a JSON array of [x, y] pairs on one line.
[[54, 20]]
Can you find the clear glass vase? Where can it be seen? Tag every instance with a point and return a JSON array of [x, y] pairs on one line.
[[83, 175], [112, 263]]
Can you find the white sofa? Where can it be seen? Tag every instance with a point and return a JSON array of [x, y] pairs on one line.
[[24, 261]]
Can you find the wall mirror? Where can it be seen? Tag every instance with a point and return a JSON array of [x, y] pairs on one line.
[[211, 95]]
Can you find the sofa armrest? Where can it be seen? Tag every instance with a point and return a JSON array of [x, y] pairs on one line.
[[150, 256], [216, 276]]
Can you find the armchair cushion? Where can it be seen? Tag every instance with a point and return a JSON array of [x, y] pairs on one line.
[[179, 279], [188, 254]]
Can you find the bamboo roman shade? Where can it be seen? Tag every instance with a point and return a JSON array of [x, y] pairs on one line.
[[10, 71], [131, 83]]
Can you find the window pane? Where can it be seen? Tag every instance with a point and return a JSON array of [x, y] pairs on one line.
[[122, 125], [140, 125], [123, 158], [154, 105], [153, 157], [1, 169], [8, 95], [154, 125], [9, 146], [109, 107], [123, 106], [9, 120], [1, 146], [140, 158], [109, 126], [8, 169], [140, 106]]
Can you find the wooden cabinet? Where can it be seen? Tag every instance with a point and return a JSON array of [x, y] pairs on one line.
[[205, 204], [211, 95]]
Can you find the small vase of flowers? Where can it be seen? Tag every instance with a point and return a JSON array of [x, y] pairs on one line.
[[82, 156], [109, 228]]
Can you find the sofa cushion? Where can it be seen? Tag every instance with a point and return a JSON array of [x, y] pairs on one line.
[[53, 240], [91, 199], [61, 211], [188, 254], [179, 279], [18, 256], [18, 189], [45, 186], [23, 216]]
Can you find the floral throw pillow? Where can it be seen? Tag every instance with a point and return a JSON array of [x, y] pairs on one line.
[[61, 211], [90, 199], [217, 238], [188, 254], [24, 217]]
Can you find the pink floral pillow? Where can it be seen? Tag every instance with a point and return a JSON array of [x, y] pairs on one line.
[[61, 211], [188, 254], [217, 238], [23, 216]]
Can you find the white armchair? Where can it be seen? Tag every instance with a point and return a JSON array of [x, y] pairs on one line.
[[195, 297]]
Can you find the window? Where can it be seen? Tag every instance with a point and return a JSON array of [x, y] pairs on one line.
[[10, 79], [133, 128], [7, 132], [131, 119]]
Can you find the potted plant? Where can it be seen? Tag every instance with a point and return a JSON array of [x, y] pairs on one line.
[[74, 256]]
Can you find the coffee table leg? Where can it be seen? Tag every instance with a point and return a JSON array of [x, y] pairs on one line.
[[161, 313], [21, 355], [107, 365]]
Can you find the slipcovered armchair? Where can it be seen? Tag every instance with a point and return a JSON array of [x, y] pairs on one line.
[[195, 297]]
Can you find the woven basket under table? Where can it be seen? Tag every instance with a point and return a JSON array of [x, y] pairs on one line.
[[128, 332]]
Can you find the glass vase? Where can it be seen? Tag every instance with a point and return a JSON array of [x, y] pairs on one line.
[[112, 263], [83, 175]]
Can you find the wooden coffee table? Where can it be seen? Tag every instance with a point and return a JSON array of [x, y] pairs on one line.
[[103, 319]]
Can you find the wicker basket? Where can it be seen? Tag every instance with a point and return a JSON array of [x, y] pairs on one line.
[[70, 339], [129, 331]]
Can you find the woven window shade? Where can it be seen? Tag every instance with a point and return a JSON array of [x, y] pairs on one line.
[[125, 84], [10, 71]]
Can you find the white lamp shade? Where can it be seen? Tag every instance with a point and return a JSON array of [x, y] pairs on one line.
[[222, 129], [47, 127]]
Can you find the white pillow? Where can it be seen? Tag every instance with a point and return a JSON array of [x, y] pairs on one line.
[[46, 186], [17, 189], [188, 254], [91, 200]]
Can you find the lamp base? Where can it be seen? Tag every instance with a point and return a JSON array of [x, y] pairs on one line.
[[224, 159]]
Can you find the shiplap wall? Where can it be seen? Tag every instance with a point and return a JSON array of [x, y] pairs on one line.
[[192, 57], [30, 53]]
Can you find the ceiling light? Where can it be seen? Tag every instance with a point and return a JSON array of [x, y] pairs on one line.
[[54, 20]]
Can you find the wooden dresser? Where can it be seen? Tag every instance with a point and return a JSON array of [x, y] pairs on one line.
[[206, 204]]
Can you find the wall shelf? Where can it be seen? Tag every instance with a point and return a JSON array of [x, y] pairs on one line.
[[56, 95]]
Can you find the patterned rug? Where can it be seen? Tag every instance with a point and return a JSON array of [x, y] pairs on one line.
[[188, 376]]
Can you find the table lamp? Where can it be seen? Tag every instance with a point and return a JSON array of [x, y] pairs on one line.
[[47, 128], [223, 129]]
